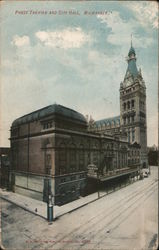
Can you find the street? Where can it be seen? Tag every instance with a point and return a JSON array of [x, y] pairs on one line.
[[125, 219]]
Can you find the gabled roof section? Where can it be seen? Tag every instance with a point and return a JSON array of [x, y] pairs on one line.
[[106, 121], [54, 109]]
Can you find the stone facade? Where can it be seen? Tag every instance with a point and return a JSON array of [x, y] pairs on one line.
[[54, 143], [131, 124], [133, 106], [39, 152]]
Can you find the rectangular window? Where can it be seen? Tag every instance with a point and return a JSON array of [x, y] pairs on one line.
[[72, 160], [48, 163], [133, 135], [124, 106], [95, 158], [47, 125], [128, 136], [81, 159]]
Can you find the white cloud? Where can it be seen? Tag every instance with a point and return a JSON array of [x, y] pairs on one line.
[[121, 31], [20, 41], [145, 11], [65, 39]]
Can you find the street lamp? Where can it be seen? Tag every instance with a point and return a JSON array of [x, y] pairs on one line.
[[98, 182], [50, 203], [50, 209]]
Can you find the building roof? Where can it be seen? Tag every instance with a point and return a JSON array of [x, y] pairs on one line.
[[115, 119], [131, 51], [132, 69], [50, 110]]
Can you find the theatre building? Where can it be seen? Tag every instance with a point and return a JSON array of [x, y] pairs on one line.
[[54, 142]]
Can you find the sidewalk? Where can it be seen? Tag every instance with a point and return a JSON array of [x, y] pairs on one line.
[[40, 208], [33, 205]]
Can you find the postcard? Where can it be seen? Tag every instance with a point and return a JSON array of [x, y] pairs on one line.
[[78, 124]]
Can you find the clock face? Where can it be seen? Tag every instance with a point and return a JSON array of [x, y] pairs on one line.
[[128, 81]]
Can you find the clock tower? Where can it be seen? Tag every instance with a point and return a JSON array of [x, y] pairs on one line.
[[133, 106]]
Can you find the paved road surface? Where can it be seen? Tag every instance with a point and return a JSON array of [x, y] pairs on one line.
[[126, 219]]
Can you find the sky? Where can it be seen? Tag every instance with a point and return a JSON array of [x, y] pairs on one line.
[[74, 54]]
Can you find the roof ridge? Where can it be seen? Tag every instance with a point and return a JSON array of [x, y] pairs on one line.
[[117, 116], [48, 110], [34, 111], [108, 120], [68, 108]]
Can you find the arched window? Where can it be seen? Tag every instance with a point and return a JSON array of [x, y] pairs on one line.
[[128, 103], [72, 157], [95, 155], [132, 103], [132, 118], [81, 157], [133, 135], [124, 106], [48, 162]]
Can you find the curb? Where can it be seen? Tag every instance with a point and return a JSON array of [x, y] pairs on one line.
[[72, 210]]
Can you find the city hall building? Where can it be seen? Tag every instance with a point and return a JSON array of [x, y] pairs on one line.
[[59, 144], [132, 119]]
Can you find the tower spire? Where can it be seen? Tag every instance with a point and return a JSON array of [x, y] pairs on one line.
[[132, 69]]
